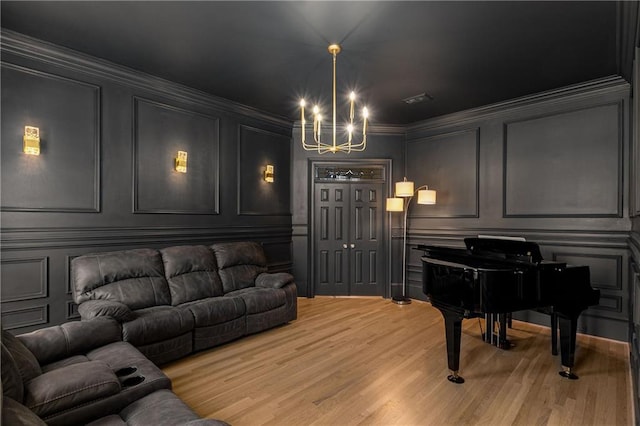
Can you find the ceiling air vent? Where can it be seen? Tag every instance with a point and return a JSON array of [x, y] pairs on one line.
[[417, 98]]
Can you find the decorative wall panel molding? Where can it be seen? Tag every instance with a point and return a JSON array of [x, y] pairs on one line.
[[257, 148], [25, 317], [24, 278], [69, 137], [72, 310], [605, 270], [160, 131], [567, 164], [448, 163]]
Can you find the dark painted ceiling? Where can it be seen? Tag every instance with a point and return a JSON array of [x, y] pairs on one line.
[[269, 54]]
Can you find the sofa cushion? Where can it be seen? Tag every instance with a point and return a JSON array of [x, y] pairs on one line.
[[133, 277], [215, 310], [239, 264], [72, 338], [14, 413], [258, 300], [67, 387], [26, 362], [12, 385], [157, 323], [192, 273]]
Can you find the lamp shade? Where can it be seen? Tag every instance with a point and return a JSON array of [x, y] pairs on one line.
[[426, 196], [404, 189], [395, 204]]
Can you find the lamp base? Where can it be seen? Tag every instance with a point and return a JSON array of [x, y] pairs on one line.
[[400, 300]]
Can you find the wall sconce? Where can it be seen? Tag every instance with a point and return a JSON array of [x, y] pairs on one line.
[[31, 140], [268, 173], [181, 162], [405, 190]]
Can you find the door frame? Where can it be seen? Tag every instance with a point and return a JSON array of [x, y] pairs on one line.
[[387, 164]]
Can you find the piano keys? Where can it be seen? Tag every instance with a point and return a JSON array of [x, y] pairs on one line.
[[496, 277]]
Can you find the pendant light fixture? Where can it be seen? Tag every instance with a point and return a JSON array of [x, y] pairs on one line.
[[334, 146]]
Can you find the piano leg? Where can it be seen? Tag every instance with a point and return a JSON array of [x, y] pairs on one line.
[[503, 343], [453, 334], [568, 329], [554, 333]]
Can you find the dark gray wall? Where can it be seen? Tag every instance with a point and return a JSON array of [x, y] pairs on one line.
[[105, 178], [553, 168], [634, 240]]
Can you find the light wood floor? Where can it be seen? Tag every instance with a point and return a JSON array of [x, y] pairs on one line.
[[349, 361]]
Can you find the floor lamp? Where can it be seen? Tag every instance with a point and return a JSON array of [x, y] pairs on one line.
[[404, 190]]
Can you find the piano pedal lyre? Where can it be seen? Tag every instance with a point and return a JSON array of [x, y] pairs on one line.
[[454, 378], [566, 373]]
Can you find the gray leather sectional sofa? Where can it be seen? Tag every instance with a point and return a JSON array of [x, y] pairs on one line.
[[181, 299], [139, 308], [83, 373]]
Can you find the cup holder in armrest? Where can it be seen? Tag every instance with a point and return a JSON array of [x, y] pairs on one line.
[[125, 371], [132, 381]]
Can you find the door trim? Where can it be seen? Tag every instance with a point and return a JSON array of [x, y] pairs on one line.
[[387, 164]]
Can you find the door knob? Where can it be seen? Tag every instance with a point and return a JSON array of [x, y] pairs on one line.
[[344, 246], [353, 245]]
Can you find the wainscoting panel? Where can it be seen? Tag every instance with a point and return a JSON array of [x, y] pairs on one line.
[[24, 278], [33, 316], [69, 142], [160, 131], [449, 164], [255, 195], [566, 164]]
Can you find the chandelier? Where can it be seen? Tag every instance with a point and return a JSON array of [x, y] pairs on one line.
[[324, 147]]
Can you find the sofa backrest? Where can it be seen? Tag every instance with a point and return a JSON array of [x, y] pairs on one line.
[[239, 264], [57, 342], [133, 277], [12, 385], [192, 273], [19, 366]]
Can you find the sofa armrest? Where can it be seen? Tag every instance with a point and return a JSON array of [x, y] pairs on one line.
[[72, 338], [14, 413], [105, 308], [71, 386], [275, 280]]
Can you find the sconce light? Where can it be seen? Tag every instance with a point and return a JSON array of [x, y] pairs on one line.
[[268, 173], [31, 140], [181, 162]]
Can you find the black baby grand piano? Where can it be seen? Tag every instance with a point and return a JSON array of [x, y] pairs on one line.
[[500, 276]]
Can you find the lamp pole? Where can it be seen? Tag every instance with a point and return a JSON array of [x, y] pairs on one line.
[[404, 300]]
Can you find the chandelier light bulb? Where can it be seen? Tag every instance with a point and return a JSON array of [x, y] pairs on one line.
[[302, 103]]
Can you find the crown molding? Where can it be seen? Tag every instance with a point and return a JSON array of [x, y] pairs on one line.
[[34, 49], [576, 92]]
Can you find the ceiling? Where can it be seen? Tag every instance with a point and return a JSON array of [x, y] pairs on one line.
[[269, 54]]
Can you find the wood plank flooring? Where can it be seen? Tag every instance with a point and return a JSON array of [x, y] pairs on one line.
[[367, 361]]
